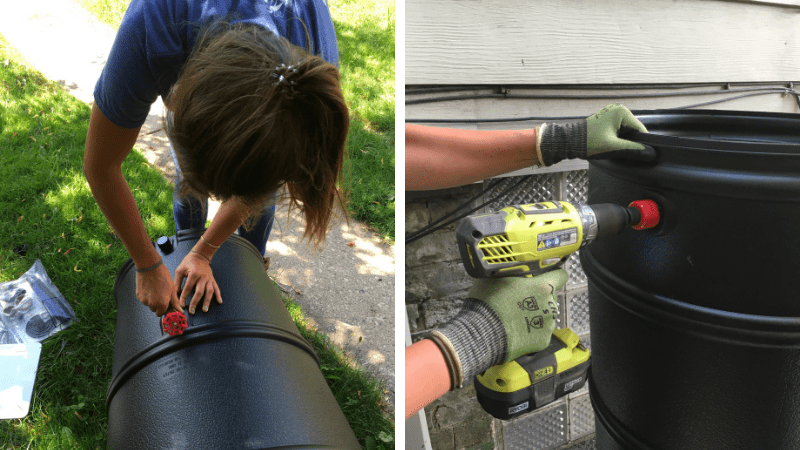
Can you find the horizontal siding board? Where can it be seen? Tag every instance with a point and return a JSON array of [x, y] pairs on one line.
[[614, 42]]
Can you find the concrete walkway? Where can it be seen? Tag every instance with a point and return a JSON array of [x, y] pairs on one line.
[[346, 288]]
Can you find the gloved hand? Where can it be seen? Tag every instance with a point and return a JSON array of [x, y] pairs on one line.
[[501, 320], [594, 138]]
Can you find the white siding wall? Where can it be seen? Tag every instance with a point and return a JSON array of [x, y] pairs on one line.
[[590, 42]]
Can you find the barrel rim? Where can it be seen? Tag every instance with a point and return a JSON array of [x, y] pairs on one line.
[[774, 125], [202, 334]]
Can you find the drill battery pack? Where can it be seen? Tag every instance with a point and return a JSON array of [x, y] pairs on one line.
[[534, 380]]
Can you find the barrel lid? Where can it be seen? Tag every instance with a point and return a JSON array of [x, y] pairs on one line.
[[736, 154]]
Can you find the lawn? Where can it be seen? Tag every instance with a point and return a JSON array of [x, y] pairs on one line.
[[46, 205], [365, 30]]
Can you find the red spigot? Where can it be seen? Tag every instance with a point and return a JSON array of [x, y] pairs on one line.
[[648, 209], [174, 323]]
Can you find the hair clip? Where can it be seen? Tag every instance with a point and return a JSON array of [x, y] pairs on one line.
[[284, 75]]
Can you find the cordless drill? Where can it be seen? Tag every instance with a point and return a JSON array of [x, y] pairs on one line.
[[528, 240]]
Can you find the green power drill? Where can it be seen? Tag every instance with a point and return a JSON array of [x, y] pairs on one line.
[[528, 240]]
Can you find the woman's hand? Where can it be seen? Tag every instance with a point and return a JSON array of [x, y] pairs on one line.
[[196, 269], [155, 290]]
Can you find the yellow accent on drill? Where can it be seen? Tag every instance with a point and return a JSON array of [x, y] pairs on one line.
[[572, 355], [520, 240], [506, 377], [471, 262], [511, 377], [567, 336], [496, 249]]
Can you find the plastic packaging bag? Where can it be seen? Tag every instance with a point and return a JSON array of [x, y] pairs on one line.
[[31, 308]]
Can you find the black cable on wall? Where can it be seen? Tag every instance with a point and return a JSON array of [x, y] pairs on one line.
[[503, 94]]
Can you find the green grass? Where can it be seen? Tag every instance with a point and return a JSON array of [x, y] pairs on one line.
[[360, 397], [365, 30], [46, 204], [366, 33], [109, 12]]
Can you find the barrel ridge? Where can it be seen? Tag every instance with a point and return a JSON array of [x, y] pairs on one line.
[[611, 425], [708, 323], [204, 333]]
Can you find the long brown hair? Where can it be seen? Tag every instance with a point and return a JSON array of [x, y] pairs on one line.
[[251, 113]]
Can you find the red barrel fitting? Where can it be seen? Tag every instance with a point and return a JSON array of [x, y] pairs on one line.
[[174, 323], [649, 212]]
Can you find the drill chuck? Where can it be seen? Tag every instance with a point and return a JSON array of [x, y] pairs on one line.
[[613, 219]]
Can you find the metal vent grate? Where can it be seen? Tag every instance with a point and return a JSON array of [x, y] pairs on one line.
[[537, 188]]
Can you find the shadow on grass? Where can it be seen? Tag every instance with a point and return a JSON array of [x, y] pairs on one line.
[[358, 395], [365, 51], [369, 177], [47, 206], [366, 46]]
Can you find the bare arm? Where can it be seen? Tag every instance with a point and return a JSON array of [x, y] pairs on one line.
[[438, 158], [107, 146], [196, 266], [229, 217], [427, 376]]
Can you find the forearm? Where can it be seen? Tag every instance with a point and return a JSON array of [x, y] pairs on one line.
[[229, 217], [114, 197], [427, 376], [107, 146], [438, 158], [453, 354]]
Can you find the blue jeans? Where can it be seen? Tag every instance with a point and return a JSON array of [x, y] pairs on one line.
[[192, 212]]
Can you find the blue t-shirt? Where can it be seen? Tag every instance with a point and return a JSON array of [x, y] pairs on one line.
[[157, 36]]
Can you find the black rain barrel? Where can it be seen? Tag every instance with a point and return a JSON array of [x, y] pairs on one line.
[[696, 323], [240, 377]]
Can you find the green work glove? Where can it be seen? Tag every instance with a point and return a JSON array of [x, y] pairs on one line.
[[501, 320], [594, 138]]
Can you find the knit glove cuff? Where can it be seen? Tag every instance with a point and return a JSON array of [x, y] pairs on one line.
[[478, 339], [563, 141]]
